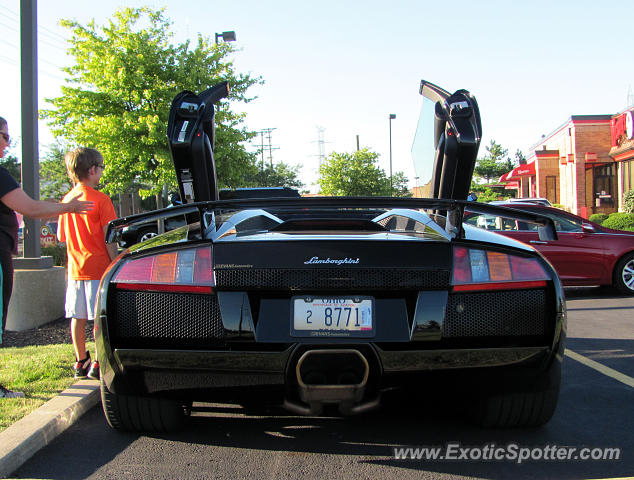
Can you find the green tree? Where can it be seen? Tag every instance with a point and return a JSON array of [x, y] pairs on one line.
[[278, 175], [520, 159], [487, 194], [399, 185], [628, 201], [119, 91], [494, 164], [54, 181], [357, 174], [10, 162]]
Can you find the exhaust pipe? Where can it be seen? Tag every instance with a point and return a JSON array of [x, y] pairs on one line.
[[332, 376]]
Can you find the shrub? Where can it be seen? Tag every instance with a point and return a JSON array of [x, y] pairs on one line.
[[58, 252], [620, 221], [598, 218], [628, 202]]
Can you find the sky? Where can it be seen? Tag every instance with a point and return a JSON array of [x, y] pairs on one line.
[[345, 67]]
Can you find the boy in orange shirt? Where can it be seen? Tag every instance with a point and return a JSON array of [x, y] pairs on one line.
[[88, 253]]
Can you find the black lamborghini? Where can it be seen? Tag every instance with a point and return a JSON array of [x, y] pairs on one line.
[[326, 303]]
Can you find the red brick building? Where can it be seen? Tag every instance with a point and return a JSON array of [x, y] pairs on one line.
[[586, 164]]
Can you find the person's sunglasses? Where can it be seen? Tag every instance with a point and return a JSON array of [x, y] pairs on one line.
[[5, 136]]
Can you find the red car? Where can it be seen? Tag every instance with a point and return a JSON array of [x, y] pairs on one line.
[[584, 254]]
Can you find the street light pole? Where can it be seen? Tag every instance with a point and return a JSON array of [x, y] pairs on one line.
[[229, 36], [392, 117]]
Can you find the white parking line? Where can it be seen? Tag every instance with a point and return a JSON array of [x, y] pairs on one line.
[[610, 372]]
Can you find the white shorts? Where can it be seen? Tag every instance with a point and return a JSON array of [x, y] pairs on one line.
[[81, 296]]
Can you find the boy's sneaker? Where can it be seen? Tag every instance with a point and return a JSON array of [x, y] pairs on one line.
[[5, 393], [81, 367], [94, 370]]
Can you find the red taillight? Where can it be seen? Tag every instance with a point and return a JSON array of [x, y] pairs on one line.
[[186, 270], [461, 267], [202, 266], [471, 287], [476, 269], [139, 270], [171, 287], [526, 268]]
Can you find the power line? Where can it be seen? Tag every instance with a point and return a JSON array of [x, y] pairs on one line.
[[8, 60], [45, 34], [41, 29]]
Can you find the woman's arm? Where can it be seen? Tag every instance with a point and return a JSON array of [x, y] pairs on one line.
[[19, 201]]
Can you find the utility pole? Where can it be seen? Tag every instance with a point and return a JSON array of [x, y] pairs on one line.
[[392, 117], [30, 160], [265, 133], [321, 145], [262, 149]]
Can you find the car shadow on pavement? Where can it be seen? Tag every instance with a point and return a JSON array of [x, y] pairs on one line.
[[589, 405]]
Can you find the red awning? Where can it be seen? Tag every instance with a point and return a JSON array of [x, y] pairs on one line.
[[512, 185], [520, 171]]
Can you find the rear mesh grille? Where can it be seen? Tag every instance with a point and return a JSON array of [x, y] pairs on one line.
[[496, 314], [329, 279], [164, 319]]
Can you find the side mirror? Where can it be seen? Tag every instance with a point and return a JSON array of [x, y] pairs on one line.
[[587, 228]]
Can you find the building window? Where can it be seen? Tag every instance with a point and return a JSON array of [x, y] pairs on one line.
[[603, 177]]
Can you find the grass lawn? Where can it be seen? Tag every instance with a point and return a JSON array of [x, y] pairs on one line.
[[41, 372]]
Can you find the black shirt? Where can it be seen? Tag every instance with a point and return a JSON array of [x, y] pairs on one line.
[[8, 219]]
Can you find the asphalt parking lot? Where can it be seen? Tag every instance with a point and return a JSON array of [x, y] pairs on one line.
[[596, 411]]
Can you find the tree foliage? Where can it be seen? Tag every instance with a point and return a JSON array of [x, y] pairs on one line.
[[10, 162], [520, 158], [491, 167], [278, 175], [628, 201], [494, 164], [54, 181], [620, 221], [119, 91], [357, 174], [487, 194]]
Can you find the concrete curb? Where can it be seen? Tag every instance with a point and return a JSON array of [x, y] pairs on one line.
[[25, 438]]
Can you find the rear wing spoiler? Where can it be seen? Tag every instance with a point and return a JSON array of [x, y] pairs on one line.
[[455, 211]]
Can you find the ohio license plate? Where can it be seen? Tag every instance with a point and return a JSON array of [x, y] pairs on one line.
[[332, 316]]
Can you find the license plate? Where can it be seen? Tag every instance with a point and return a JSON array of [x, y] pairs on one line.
[[332, 316]]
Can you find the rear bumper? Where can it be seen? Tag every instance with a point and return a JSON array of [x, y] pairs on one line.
[[137, 372]]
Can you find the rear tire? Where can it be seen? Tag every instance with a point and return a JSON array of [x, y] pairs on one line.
[[141, 414], [530, 408], [624, 275]]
